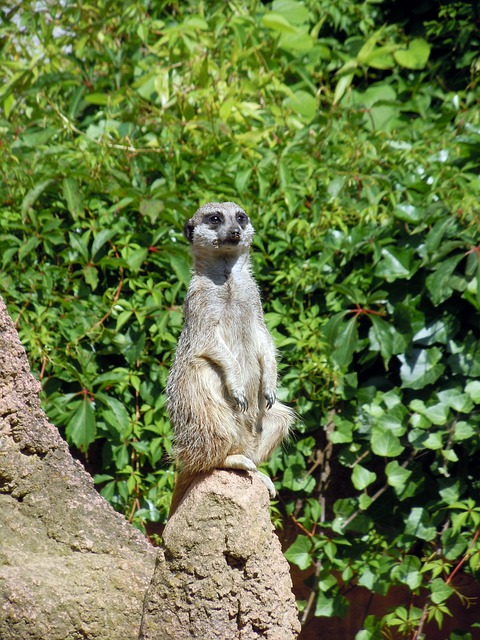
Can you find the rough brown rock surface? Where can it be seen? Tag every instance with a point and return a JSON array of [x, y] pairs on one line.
[[70, 567], [73, 569], [221, 574]]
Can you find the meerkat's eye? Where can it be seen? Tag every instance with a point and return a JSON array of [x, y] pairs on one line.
[[215, 219], [241, 218]]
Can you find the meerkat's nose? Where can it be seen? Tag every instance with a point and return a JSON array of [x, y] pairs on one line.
[[235, 232]]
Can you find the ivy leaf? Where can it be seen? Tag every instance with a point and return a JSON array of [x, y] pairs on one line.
[[465, 358], [300, 552], [384, 443], [419, 525], [397, 476], [473, 390], [421, 367], [362, 477]]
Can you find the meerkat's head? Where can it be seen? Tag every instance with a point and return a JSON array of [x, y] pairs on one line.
[[220, 226]]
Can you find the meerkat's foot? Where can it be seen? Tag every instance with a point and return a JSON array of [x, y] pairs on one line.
[[268, 483], [239, 461]]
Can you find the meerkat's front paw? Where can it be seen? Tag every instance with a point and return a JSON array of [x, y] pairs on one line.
[[270, 397], [241, 399]]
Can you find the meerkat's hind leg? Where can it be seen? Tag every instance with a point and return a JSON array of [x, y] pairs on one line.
[[268, 483], [239, 461]]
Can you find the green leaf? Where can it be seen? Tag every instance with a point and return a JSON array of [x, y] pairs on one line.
[[464, 431], [100, 239], [439, 283], [300, 552], [362, 477], [343, 431], [90, 273], [415, 56], [384, 443], [465, 358], [397, 476], [457, 400], [293, 11], [328, 606], [181, 268], [409, 213], [79, 244], [345, 343], [419, 525], [277, 22], [32, 196], [408, 572], [381, 338], [303, 103], [396, 264], [343, 83], [454, 545], [81, 428], [421, 367], [473, 390], [298, 481], [380, 58], [97, 98], [116, 413], [437, 414], [73, 196], [438, 331], [440, 590], [394, 420]]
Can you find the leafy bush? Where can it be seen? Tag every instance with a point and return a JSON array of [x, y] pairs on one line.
[[350, 133]]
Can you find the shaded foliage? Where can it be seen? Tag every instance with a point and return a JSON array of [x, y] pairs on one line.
[[350, 133]]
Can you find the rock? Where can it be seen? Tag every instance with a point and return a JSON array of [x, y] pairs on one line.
[[70, 567], [221, 573]]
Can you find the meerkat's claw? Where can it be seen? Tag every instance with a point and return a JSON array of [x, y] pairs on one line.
[[241, 400], [268, 483], [270, 397]]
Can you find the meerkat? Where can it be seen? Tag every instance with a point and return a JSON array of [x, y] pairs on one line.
[[221, 390]]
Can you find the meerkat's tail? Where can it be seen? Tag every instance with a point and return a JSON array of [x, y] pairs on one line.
[[182, 483]]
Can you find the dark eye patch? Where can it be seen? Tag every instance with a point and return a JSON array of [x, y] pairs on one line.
[[241, 218], [214, 218]]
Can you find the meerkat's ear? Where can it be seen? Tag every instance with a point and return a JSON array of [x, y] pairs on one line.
[[188, 230]]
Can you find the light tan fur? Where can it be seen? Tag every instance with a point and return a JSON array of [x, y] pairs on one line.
[[222, 386]]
